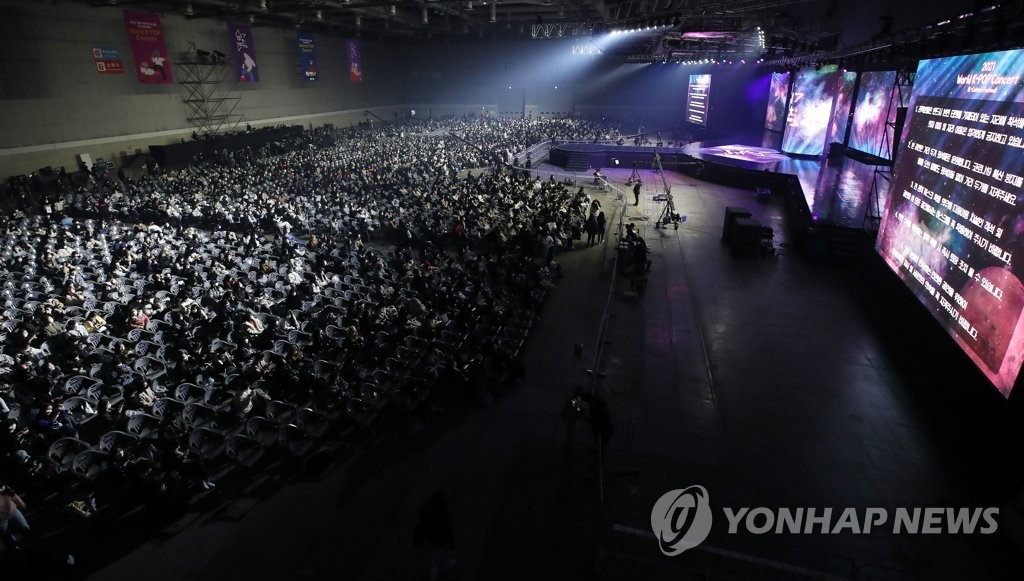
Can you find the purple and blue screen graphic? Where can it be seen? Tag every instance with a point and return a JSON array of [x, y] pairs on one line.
[[698, 94], [874, 114], [841, 115], [953, 220], [749, 153], [810, 111], [778, 92]]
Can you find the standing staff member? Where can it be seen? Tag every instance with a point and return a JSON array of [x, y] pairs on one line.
[[636, 193]]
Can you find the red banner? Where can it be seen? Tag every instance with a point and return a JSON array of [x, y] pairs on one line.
[[149, 48]]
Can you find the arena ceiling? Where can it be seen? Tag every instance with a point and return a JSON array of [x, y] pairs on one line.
[[679, 29]]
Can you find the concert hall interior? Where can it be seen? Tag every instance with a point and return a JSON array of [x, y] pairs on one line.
[[511, 289]]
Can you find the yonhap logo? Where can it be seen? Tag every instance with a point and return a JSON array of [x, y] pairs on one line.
[[681, 519]]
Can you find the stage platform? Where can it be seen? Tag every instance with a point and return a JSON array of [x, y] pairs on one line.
[[832, 191]]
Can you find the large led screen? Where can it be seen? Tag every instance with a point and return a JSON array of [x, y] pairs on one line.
[[841, 113], [874, 114], [697, 95], [810, 111], [777, 95], [952, 222]]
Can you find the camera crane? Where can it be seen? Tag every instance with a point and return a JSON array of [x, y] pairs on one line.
[[668, 213]]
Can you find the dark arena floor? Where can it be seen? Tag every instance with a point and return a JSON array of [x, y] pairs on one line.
[[771, 382]]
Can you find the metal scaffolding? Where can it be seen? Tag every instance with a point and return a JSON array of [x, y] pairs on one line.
[[211, 106]]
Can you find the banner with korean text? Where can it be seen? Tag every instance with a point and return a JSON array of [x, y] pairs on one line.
[[308, 65], [149, 47]]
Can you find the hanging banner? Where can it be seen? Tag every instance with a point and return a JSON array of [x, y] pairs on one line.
[[149, 48], [307, 57], [355, 64], [241, 41], [108, 60]]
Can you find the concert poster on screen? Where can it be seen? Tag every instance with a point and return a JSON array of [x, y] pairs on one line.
[[698, 94], [952, 228]]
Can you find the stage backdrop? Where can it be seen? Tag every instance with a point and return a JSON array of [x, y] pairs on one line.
[[810, 111], [953, 221], [244, 48], [841, 114], [149, 48], [778, 93], [874, 113]]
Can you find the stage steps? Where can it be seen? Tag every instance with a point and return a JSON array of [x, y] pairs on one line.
[[848, 244], [838, 245], [578, 161]]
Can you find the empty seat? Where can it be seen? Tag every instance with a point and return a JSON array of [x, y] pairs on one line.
[[243, 449], [116, 439], [295, 440], [89, 463], [64, 450], [262, 430], [143, 425], [206, 442]]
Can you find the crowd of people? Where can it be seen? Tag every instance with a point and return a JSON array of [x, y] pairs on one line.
[[158, 329]]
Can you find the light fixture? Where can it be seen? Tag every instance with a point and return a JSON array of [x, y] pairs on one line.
[[424, 16]]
